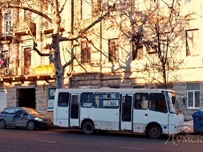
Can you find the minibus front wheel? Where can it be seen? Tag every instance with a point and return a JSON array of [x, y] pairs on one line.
[[88, 128]]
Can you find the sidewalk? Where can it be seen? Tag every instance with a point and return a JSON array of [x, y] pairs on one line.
[[188, 127]]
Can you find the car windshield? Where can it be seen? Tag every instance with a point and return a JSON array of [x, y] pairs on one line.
[[173, 107], [31, 111]]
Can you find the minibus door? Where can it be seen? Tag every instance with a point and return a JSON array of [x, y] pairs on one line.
[[126, 112], [61, 109], [74, 110]]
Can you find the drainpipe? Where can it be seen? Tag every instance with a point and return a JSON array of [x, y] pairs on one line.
[[72, 32], [100, 68]]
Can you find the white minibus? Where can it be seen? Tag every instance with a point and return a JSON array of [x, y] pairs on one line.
[[150, 111]]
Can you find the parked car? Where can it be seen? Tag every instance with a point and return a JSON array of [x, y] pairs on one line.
[[24, 117]]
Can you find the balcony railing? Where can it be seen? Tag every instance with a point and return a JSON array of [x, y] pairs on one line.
[[42, 70], [3, 34], [25, 28], [6, 31], [5, 72]]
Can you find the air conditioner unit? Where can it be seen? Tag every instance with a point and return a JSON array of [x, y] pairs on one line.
[[7, 72]]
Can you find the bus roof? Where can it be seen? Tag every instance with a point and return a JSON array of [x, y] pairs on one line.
[[122, 90]]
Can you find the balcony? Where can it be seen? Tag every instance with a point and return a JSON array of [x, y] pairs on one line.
[[49, 29], [6, 34], [42, 72], [25, 28], [5, 72]]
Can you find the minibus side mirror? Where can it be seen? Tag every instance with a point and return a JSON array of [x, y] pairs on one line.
[[173, 99], [184, 100]]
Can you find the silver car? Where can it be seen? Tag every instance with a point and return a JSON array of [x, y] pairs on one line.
[[23, 117]]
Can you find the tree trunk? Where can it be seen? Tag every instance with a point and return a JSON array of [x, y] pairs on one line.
[[57, 61]]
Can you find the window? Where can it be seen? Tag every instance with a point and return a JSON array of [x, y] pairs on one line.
[[9, 111], [192, 41], [45, 4], [87, 100], [4, 59], [27, 60], [141, 101], [150, 49], [113, 50], [27, 15], [157, 102], [20, 113], [85, 52], [193, 96], [137, 51], [106, 100], [63, 99], [86, 10], [7, 22], [96, 8]]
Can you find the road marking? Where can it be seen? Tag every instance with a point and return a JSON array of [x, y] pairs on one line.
[[132, 148], [46, 141]]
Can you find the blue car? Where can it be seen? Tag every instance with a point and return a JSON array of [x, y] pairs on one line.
[[24, 117]]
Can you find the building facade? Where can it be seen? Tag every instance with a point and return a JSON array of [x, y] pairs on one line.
[[105, 56]]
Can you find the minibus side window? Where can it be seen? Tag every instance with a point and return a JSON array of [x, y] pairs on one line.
[[87, 100], [63, 99], [141, 101], [106, 100], [157, 102]]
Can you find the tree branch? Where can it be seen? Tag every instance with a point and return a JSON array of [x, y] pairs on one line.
[[80, 64], [69, 62], [62, 8], [37, 50], [51, 58], [111, 8], [29, 9]]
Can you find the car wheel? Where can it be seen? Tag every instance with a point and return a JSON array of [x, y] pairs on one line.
[[88, 128], [2, 124], [154, 131], [30, 125]]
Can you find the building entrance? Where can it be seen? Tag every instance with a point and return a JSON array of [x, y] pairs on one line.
[[26, 97]]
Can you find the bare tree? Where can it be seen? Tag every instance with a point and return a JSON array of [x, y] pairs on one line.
[[159, 27], [55, 19]]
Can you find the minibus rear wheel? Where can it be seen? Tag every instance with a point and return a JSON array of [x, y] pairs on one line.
[[154, 131], [88, 128]]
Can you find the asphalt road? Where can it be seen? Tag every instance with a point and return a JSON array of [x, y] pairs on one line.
[[61, 140]]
